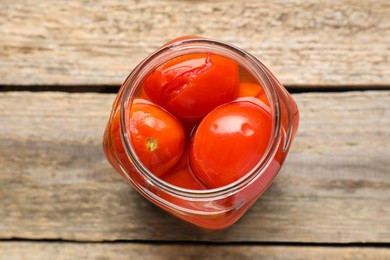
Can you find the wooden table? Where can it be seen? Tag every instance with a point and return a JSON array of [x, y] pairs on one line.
[[61, 63]]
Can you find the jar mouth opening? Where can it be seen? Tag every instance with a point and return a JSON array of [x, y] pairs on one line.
[[133, 84]]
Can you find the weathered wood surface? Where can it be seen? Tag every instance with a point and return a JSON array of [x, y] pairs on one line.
[[326, 43], [42, 250], [56, 184]]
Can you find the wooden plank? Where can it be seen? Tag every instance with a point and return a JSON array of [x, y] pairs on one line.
[[327, 43], [56, 184], [45, 250]]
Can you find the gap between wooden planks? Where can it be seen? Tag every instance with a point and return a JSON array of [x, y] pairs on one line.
[[327, 43], [44, 250], [56, 184]]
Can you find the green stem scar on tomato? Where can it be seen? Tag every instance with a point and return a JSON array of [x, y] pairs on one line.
[[157, 136], [192, 85], [230, 141], [152, 144]]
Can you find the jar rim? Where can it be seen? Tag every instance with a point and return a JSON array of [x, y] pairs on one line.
[[134, 81]]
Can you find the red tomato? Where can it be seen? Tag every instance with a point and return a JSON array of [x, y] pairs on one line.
[[192, 85], [229, 142], [157, 137], [183, 178], [249, 89]]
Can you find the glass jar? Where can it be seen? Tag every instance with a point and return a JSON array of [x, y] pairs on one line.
[[215, 208]]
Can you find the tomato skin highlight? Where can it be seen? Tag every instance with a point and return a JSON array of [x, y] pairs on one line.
[[192, 85], [157, 136], [229, 142]]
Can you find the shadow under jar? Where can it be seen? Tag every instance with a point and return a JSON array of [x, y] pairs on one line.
[[200, 202]]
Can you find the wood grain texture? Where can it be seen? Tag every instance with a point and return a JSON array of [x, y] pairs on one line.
[[308, 43], [62, 251], [56, 184]]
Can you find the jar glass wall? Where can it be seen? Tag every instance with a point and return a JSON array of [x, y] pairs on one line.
[[211, 208]]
